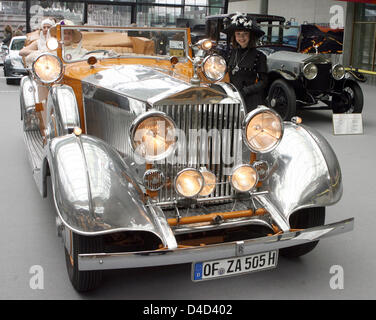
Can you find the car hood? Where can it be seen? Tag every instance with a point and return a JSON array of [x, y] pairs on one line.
[[148, 85], [286, 59], [14, 54], [135, 81]]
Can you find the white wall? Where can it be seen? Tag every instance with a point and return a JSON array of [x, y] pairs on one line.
[[312, 11], [244, 6]]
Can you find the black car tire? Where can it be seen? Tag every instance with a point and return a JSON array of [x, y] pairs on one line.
[[350, 100], [303, 219], [83, 280], [282, 99], [356, 94]]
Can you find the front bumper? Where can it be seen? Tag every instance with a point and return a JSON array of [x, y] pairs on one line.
[[105, 261]]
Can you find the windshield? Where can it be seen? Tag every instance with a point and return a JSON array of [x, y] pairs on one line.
[[276, 33], [105, 42], [17, 44]]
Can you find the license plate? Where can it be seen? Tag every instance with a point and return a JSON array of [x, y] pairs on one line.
[[233, 266]]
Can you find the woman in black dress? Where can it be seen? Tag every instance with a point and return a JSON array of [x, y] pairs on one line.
[[247, 65]]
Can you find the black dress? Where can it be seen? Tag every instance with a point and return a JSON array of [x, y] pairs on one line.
[[248, 72]]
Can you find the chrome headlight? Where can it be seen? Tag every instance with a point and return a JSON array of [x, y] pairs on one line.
[[244, 178], [189, 182], [262, 129], [210, 181], [338, 71], [310, 71], [152, 135], [47, 68], [205, 44], [214, 67]]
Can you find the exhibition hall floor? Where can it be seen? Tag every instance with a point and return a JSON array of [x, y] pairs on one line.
[[28, 237]]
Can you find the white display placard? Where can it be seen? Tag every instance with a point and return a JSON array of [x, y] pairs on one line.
[[347, 123], [174, 44]]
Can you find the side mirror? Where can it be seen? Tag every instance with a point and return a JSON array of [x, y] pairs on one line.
[[4, 49]]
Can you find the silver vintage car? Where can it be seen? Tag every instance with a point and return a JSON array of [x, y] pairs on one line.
[[153, 160]]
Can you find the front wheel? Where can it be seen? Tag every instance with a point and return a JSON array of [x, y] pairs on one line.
[[83, 280], [303, 219], [351, 100], [282, 98]]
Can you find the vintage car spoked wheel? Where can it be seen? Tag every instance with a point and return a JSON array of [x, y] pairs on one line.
[[350, 100], [282, 99], [356, 98], [303, 219], [83, 280]]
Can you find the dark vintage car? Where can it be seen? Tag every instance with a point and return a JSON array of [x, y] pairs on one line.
[[14, 68], [154, 161], [298, 80]]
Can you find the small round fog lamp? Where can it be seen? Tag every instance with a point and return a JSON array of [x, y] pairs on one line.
[[244, 178], [189, 182], [209, 183]]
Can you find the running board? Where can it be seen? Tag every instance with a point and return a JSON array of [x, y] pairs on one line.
[[34, 144]]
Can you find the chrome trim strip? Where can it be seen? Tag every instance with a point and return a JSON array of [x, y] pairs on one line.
[[277, 216], [105, 261], [228, 224], [165, 231], [206, 199]]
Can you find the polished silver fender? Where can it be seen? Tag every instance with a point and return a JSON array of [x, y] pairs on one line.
[[28, 89], [287, 75], [62, 117], [94, 192], [354, 75], [304, 173], [62, 111]]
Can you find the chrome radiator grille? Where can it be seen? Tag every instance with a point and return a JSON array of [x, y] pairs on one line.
[[213, 140]]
